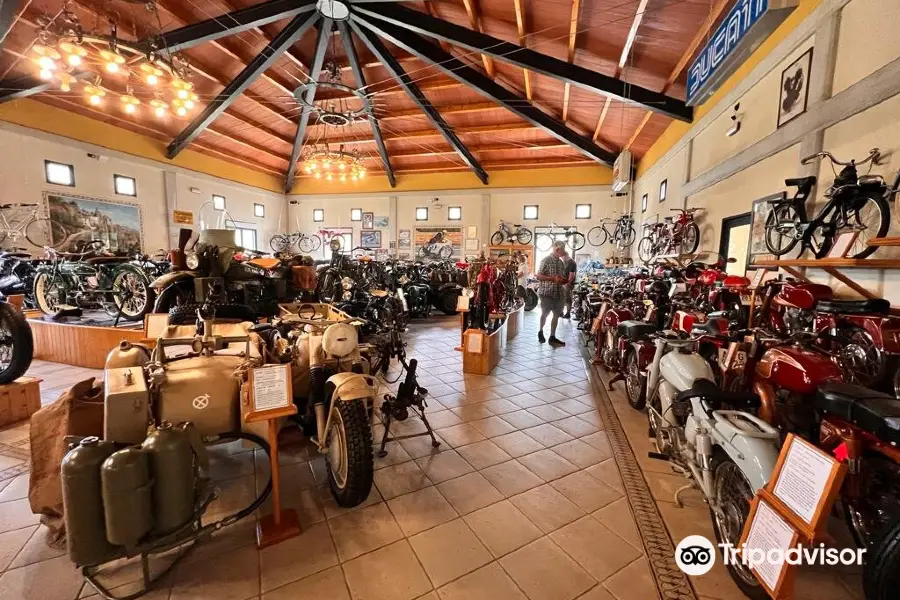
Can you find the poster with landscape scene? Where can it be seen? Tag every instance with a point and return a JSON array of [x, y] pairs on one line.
[[88, 219]]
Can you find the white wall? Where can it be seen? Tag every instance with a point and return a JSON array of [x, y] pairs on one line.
[[22, 180]]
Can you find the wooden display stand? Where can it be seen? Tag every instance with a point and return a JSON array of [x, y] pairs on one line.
[[78, 345], [482, 350], [514, 322], [19, 400]]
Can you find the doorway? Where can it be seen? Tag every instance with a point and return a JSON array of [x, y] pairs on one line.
[[735, 243]]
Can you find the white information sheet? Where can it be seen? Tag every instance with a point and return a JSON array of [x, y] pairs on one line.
[[803, 480], [270, 388], [474, 345], [769, 532]]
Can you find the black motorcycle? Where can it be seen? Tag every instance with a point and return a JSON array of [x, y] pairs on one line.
[[444, 279], [16, 343], [93, 280], [17, 272]]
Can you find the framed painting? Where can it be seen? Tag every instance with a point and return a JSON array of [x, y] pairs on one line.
[[794, 89], [119, 224], [370, 239]]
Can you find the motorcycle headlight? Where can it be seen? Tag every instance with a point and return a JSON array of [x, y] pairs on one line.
[[191, 260], [347, 283], [348, 296], [404, 280]]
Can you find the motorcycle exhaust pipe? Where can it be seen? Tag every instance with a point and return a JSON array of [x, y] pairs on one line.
[[767, 401]]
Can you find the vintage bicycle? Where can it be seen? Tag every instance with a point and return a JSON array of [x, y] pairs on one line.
[[19, 219], [678, 234], [574, 238], [621, 236], [282, 242]]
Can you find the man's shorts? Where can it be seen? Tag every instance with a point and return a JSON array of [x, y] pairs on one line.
[[556, 305]]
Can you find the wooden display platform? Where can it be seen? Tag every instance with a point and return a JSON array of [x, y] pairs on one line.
[[19, 400], [885, 241], [78, 345], [514, 322], [482, 351]]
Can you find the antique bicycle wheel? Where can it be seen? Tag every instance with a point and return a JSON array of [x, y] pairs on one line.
[[309, 243], [544, 242], [280, 242], [645, 250], [597, 236], [45, 232], [625, 236], [523, 236], [575, 240], [781, 237]]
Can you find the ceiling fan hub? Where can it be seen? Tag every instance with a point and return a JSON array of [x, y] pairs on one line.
[[333, 9]]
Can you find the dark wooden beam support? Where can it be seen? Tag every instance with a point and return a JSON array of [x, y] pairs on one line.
[[292, 32], [315, 69], [419, 22], [359, 76], [393, 67], [432, 53], [228, 24], [23, 87], [9, 10]]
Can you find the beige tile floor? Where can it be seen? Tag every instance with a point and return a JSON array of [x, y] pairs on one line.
[[521, 501]]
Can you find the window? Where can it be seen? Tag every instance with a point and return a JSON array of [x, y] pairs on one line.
[[318, 215], [59, 174], [218, 202], [531, 212], [245, 237], [125, 186], [582, 211], [421, 213], [454, 213], [356, 214], [644, 203], [663, 188], [259, 210]]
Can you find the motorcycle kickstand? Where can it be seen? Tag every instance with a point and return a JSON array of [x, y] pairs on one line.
[[690, 486]]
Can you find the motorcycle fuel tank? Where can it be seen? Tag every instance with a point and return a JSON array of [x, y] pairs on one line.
[[614, 316], [681, 370], [796, 369], [803, 295]]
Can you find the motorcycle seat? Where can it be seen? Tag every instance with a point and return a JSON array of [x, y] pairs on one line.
[[107, 260], [876, 412], [877, 306], [707, 389], [800, 182], [264, 263], [634, 330]]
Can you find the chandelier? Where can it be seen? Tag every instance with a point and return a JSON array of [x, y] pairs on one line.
[[320, 160], [108, 67]]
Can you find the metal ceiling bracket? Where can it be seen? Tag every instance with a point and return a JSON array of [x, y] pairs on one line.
[[231, 23], [434, 54], [424, 24], [360, 28], [25, 86], [359, 76], [291, 33], [315, 70]]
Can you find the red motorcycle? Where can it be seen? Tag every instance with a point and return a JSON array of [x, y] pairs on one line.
[[489, 293]]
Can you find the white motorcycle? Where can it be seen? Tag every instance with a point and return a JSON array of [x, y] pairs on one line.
[[727, 454]]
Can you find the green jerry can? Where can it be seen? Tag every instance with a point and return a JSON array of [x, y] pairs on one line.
[[171, 451], [83, 502], [127, 502]]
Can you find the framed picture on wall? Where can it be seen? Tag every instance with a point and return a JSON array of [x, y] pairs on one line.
[[368, 220], [758, 215], [370, 239], [85, 219], [794, 89]]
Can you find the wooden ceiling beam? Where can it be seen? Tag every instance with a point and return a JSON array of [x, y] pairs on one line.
[[603, 112], [508, 164], [632, 35], [715, 10], [637, 132], [537, 148], [296, 60], [475, 24], [573, 34], [523, 40], [425, 133]]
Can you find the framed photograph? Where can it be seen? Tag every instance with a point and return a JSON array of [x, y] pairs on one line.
[[381, 222], [370, 239], [403, 239], [368, 220], [758, 215], [794, 89]]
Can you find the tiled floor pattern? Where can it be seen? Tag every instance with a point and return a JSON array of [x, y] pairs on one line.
[[521, 501]]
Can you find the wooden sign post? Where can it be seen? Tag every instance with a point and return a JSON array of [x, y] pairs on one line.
[[792, 508], [271, 397]]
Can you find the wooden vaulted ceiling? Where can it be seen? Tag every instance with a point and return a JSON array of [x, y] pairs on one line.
[[646, 43]]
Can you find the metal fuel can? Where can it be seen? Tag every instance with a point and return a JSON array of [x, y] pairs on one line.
[[171, 462], [127, 500]]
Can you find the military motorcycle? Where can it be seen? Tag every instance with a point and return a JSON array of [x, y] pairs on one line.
[[17, 271]]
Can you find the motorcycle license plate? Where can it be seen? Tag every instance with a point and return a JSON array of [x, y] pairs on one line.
[[738, 361]]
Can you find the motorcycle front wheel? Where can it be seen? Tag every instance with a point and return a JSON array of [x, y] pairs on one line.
[[445, 252], [132, 295], [732, 494], [350, 461], [48, 294], [16, 344], [776, 241], [634, 382], [531, 299], [881, 574]]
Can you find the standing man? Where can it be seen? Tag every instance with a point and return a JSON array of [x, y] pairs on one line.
[[553, 277], [571, 271]]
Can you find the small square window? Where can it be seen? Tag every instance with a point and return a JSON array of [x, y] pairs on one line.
[[218, 202], [318, 215], [259, 210], [644, 203], [454, 213], [356, 214], [59, 173], [582, 211], [125, 186], [421, 213], [531, 212], [663, 188]]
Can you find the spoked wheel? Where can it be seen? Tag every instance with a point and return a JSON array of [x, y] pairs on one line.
[[45, 232], [531, 299], [860, 358], [350, 462], [445, 252], [645, 250], [48, 293], [497, 238], [634, 383], [876, 504], [16, 344], [132, 294], [881, 577], [626, 238], [732, 495], [523, 236], [597, 236], [280, 242], [310, 243], [690, 238], [575, 241], [781, 229], [544, 242], [871, 217]]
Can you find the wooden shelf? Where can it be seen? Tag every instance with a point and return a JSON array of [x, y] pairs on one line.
[[885, 241], [832, 263]]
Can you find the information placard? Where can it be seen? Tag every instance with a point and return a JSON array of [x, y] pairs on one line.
[[271, 393], [768, 535], [803, 481]]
